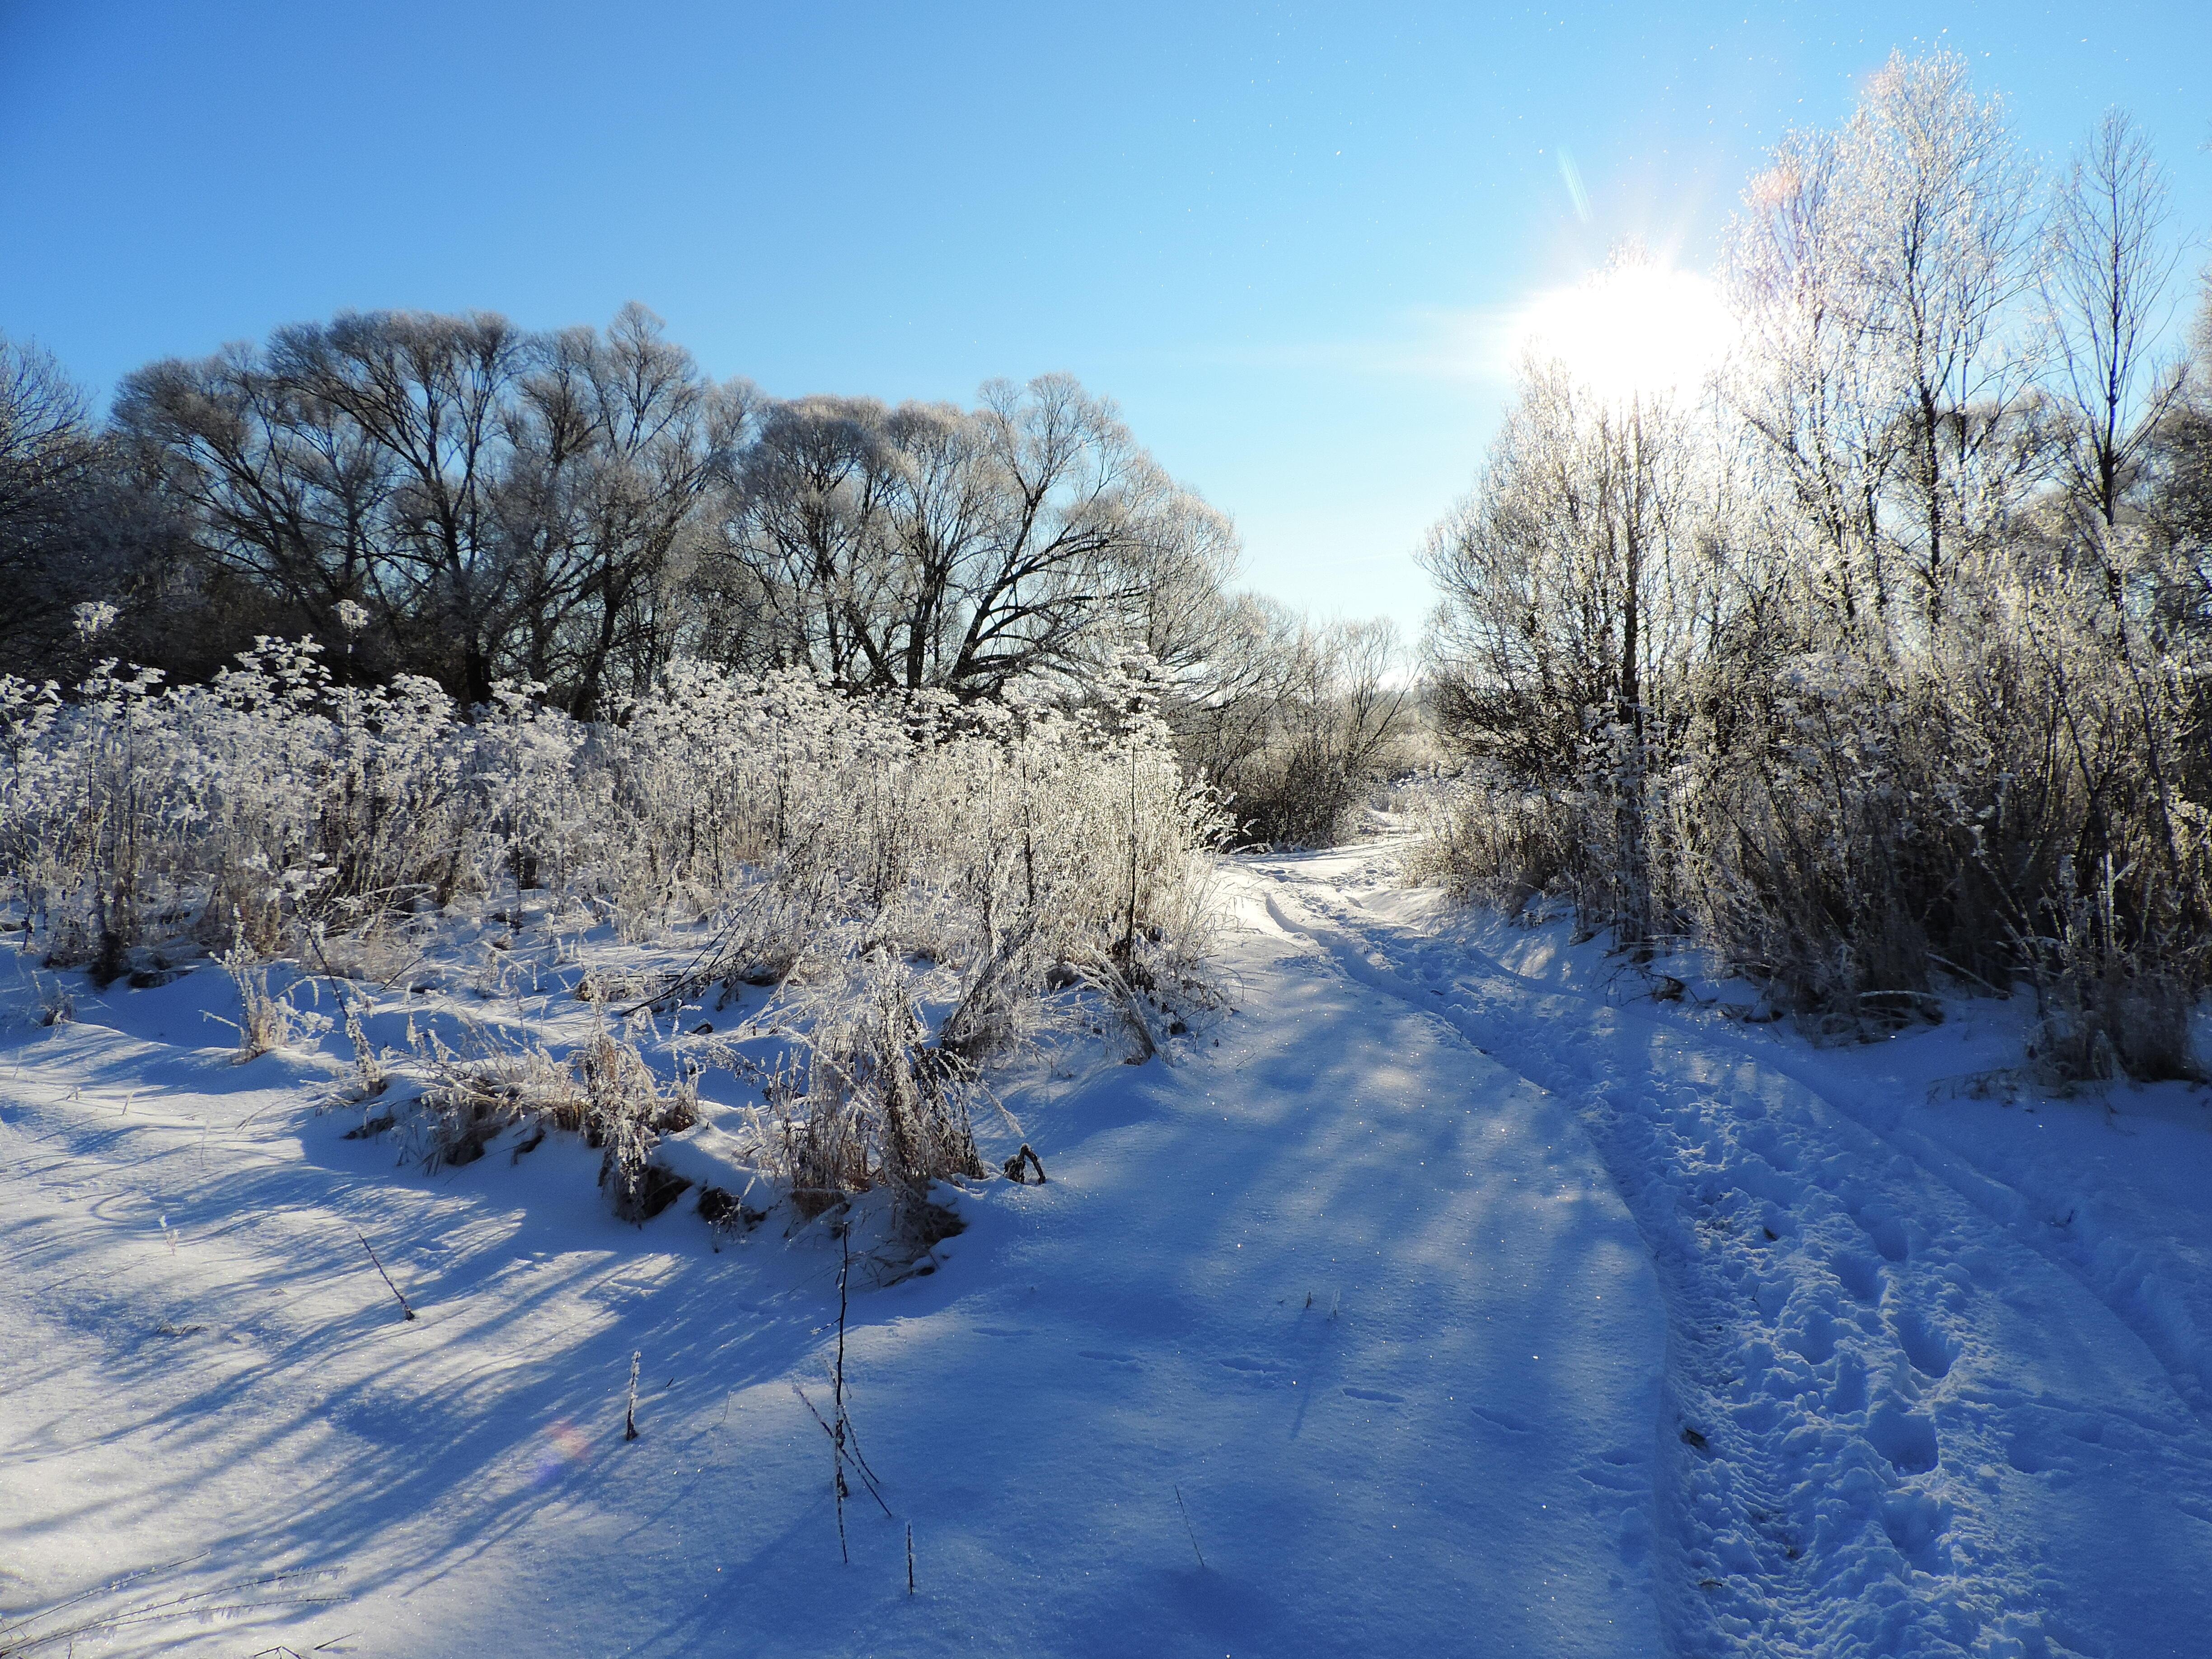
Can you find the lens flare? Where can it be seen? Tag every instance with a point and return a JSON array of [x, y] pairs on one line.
[[566, 1448]]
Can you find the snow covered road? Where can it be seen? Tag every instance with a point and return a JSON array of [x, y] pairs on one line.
[[1439, 1303], [1905, 1421], [1328, 1299]]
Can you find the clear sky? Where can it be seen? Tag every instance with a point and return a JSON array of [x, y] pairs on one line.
[[1285, 238]]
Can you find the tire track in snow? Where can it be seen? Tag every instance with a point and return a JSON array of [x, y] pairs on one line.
[[1896, 1428]]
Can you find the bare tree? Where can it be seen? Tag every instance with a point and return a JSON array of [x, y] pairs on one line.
[[431, 393], [1302, 720], [1223, 697], [46, 438], [577, 508], [1939, 204], [929, 546], [282, 490], [2108, 283], [617, 439], [502, 503], [65, 519]]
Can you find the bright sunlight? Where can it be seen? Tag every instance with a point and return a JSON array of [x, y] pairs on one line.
[[1632, 328]]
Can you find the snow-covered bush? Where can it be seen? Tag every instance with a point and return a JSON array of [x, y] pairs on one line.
[[872, 856], [876, 858], [136, 815], [1878, 662]]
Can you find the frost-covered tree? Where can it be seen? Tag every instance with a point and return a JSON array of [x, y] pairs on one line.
[[1884, 666], [1567, 579], [1943, 233]]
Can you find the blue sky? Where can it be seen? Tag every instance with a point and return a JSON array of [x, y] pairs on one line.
[[1278, 236]]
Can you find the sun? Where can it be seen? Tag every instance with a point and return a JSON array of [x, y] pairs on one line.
[[1634, 329]]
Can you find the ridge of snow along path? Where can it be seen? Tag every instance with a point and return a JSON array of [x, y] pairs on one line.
[[1915, 1404], [1337, 1304]]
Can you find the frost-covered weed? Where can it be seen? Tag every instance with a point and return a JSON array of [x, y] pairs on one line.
[[864, 1099], [1852, 826], [989, 861], [137, 813], [926, 883], [606, 1091], [267, 1020]]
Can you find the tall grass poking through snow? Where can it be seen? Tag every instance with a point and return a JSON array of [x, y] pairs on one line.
[[136, 814], [928, 883], [993, 863]]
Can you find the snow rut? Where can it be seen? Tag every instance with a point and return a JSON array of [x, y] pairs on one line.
[[1893, 1428]]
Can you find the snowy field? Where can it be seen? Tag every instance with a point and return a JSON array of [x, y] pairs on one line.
[[1449, 1296]]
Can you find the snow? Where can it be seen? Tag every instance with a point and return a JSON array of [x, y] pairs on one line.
[[1428, 1296], [1954, 1403]]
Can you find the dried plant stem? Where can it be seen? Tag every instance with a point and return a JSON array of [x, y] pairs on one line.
[[1192, 1530], [387, 1277]]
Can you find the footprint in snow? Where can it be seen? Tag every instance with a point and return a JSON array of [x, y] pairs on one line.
[[1497, 1420], [1815, 1341], [1888, 1233], [1861, 1277], [1916, 1522], [1906, 1438], [1931, 1352], [1265, 1372]]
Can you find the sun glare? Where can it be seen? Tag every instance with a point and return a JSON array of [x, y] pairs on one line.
[[1631, 329]]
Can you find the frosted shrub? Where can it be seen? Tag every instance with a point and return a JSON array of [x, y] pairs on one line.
[[866, 1099], [534, 819], [1488, 840], [999, 841], [267, 1020], [1875, 665], [872, 857], [2006, 796], [606, 1092], [994, 860], [139, 814], [626, 1110]]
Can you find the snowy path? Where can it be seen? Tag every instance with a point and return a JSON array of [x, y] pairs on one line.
[[1338, 1302], [1628, 1333], [1906, 1424]]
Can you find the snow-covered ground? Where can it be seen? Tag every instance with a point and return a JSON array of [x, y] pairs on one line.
[[1448, 1296]]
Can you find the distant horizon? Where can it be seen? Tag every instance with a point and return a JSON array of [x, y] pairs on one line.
[[1289, 248]]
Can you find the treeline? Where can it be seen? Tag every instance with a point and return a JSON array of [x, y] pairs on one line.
[[1879, 666], [455, 498]]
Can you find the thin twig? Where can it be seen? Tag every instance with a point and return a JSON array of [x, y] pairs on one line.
[[371, 1249], [1192, 1530]]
